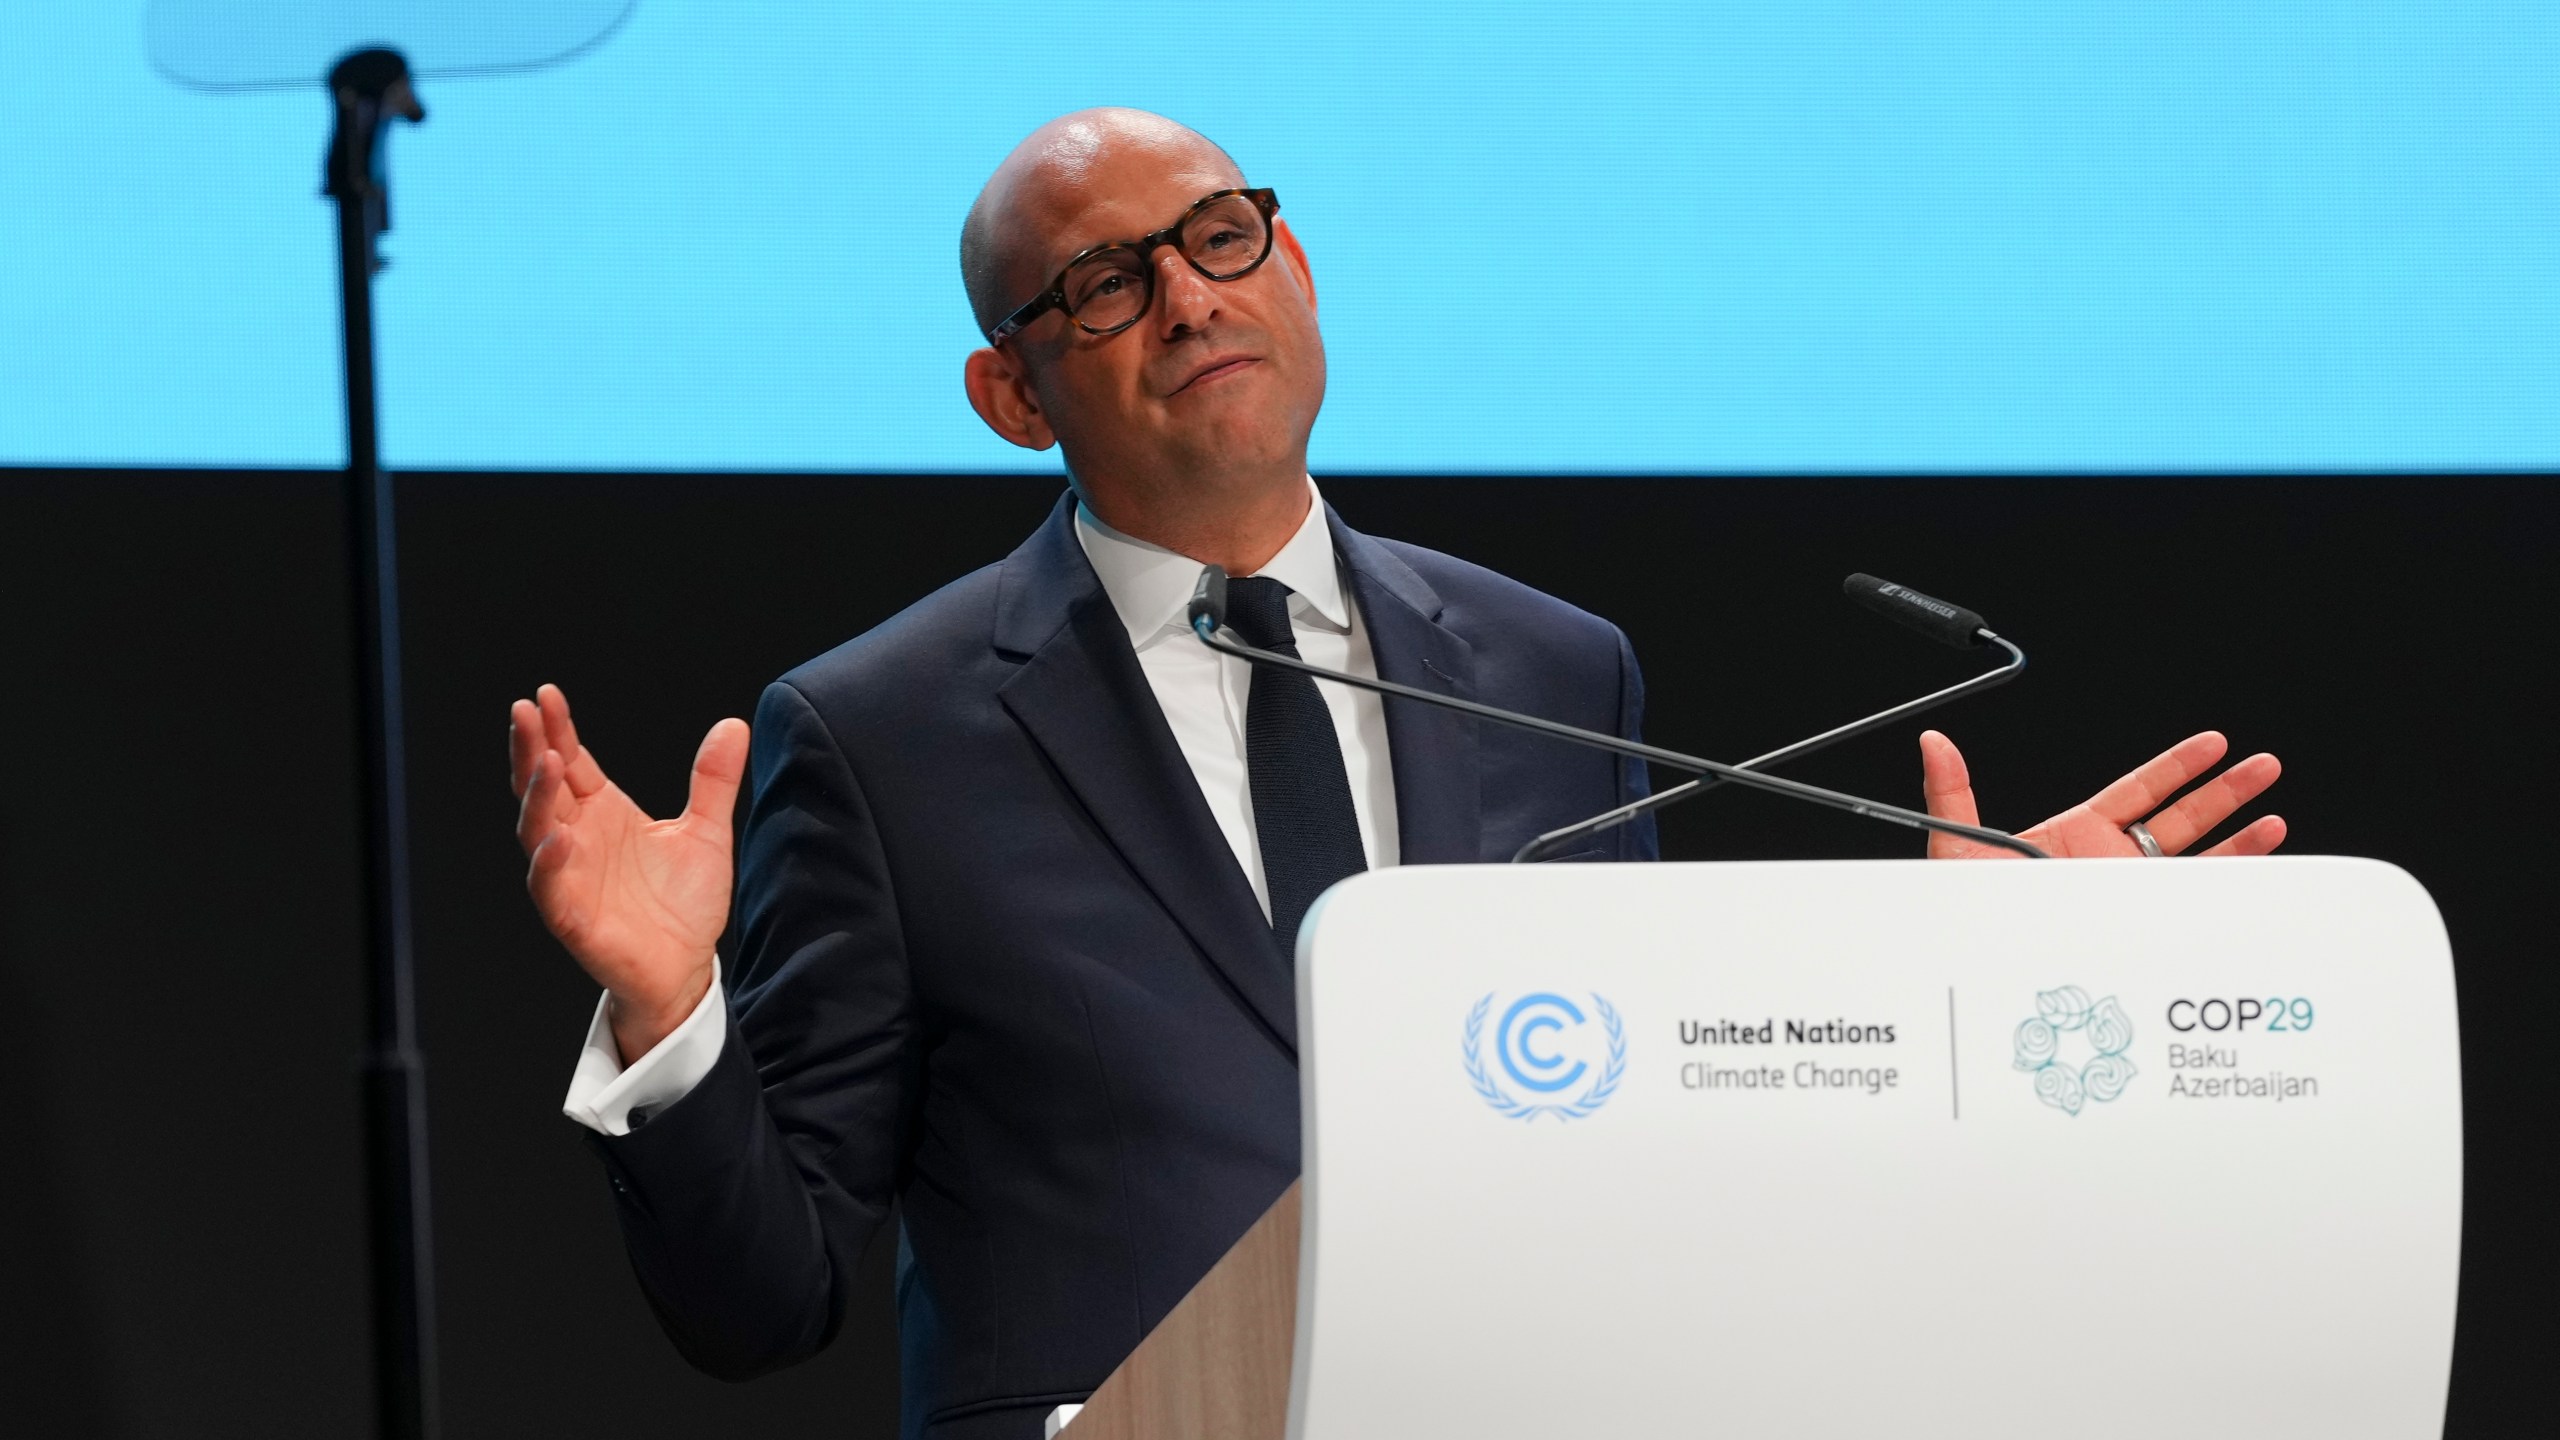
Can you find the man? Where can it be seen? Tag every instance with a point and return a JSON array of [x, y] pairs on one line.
[[1024, 867]]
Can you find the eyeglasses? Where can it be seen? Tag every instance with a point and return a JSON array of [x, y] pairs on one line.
[[1225, 236]]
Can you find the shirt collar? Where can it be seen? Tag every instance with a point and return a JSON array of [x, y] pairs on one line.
[[1150, 586]]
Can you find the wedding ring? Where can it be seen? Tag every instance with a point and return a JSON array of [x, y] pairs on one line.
[[2140, 834]]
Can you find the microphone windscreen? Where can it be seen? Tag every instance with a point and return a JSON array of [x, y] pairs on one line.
[[1209, 598], [1947, 624]]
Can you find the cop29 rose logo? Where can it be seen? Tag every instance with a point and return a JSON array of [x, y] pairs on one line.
[[2103, 1031], [1547, 1047]]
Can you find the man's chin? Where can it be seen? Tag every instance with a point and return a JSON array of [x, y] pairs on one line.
[[1238, 446]]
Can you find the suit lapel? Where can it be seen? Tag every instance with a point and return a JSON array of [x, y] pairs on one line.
[[1084, 701], [1439, 806]]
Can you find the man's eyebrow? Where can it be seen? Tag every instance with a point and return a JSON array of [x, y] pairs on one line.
[[1053, 260], [1096, 245], [1070, 255], [1100, 244]]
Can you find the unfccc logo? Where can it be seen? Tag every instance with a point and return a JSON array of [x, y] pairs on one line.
[[1546, 1046]]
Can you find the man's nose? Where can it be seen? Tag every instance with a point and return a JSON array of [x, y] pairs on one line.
[[1186, 300]]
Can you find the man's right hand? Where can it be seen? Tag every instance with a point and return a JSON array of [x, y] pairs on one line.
[[639, 902]]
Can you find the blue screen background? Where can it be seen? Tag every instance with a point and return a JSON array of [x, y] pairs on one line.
[[1968, 235]]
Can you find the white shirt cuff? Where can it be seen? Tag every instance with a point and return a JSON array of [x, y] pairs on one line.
[[602, 1094]]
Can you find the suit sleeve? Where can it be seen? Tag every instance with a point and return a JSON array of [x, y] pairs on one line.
[[746, 1202], [1636, 839]]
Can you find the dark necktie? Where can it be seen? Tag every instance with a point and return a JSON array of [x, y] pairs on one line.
[[1301, 793]]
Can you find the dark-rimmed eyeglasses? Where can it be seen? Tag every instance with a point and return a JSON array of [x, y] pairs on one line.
[[1225, 235]]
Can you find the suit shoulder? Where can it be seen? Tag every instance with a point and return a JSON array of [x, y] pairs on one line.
[[1478, 598]]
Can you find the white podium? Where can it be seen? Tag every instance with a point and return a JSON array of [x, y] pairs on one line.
[[2089, 1148]]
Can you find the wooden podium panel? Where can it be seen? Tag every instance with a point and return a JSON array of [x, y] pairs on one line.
[[1219, 1364]]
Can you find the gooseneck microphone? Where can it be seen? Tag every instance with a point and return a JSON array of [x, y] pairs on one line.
[[1940, 621], [1947, 624], [1208, 613]]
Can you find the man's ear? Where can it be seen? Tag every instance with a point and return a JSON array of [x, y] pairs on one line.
[[1002, 395], [1296, 255]]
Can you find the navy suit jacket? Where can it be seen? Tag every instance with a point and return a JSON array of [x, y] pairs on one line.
[[995, 962]]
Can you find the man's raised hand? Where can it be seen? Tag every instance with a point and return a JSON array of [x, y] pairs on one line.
[[639, 902], [2095, 826]]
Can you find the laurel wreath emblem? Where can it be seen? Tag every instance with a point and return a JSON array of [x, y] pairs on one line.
[[1601, 1088]]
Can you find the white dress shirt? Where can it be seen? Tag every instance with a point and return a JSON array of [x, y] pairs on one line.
[[1203, 696]]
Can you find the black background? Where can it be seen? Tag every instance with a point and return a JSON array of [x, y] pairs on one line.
[[180, 1219]]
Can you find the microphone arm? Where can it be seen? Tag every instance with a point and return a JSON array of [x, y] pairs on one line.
[[1607, 820], [1208, 613]]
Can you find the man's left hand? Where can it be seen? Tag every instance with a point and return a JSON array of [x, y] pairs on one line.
[[2095, 828]]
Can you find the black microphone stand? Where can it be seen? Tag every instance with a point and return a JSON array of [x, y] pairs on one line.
[[371, 89], [1610, 819], [1208, 606]]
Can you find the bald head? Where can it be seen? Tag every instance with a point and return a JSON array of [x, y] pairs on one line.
[[1185, 424], [1004, 244]]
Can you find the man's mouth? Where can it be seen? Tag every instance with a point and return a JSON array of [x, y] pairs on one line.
[[1214, 371]]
